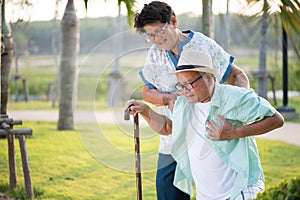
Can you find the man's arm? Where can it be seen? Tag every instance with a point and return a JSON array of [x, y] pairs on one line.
[[157, 98], [159, 123], [227, 131], [238, 77]]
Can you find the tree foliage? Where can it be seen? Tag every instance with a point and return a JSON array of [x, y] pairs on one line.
[[129, 6], [287, 12], [95, 30]]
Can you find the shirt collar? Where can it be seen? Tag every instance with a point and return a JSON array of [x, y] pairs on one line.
[[180, 46], [216, 99]]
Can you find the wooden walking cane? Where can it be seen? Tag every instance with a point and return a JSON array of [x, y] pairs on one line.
[[137, 153]]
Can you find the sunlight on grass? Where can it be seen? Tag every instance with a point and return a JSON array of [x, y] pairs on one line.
[[279, 160], [47, 105], [61, 168]]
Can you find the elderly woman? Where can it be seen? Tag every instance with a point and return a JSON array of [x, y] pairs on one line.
[[158, 22]]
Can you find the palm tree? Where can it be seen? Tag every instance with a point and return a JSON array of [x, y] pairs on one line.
[[54, 87], [68, 65], [129, 6], [263, 77], [6, 60], [1, 49], [207, 18], [288, 13]]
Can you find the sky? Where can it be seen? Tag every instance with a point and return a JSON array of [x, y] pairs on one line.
[[45, 9]]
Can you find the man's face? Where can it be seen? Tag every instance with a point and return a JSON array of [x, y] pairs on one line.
[[197, 87], [161, 34]]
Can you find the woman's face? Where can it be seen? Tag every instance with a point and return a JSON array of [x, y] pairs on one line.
[[164, 35]]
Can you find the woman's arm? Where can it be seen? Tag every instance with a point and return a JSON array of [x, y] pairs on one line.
[[227, 131], [157, 98], [237, 77]]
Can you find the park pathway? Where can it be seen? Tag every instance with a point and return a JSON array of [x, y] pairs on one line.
[[289, 133]]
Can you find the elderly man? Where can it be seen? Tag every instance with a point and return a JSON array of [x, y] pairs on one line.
[[212, 127]]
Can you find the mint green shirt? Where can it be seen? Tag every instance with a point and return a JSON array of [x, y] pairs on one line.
[[237, 105]]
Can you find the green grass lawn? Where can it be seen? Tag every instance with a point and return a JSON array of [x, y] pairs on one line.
[[47, 105], [62, 168]]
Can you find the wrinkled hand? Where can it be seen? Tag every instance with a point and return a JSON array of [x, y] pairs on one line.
[[171, 100], [224, 132], [136, 107]]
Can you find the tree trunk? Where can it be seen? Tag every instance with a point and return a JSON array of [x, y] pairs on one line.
[[115, 75], [54, 92], [207, 18], [263, 76], [1, 48], [6, 61], [227, 27], [68, 65]]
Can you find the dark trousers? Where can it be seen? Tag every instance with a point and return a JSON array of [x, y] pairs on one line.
[[165, 189]]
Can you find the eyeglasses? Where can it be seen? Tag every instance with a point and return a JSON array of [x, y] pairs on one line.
[[188, 86], [158, 33]]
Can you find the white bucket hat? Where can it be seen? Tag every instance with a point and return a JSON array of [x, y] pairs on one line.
[[195, 61]]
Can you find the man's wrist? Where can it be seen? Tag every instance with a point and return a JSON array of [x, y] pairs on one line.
[[238, 132], [145, 111]]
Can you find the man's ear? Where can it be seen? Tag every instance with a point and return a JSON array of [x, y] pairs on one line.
[[174, 21]]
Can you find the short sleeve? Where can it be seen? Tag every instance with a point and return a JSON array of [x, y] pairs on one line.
[[222, 61], [156, 72], [146, 81]]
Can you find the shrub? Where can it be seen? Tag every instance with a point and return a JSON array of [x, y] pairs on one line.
[[286, 190]]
